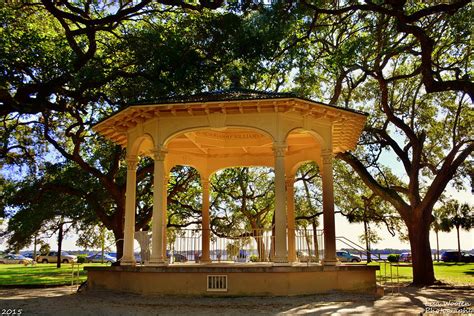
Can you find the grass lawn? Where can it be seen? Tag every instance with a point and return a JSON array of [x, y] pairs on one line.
[[41, 274], [454, 273]]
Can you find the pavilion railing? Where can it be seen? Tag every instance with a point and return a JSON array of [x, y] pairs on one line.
[[242, 246], [309, 244]]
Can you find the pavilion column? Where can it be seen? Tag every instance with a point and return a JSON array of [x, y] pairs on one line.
[[328, 210], [164, 207], [290, 209], [130, 205], [206, 228], [159, 209], [281, 255]]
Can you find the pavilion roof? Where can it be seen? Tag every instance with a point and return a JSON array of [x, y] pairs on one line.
[[231, 101], [231, 94]]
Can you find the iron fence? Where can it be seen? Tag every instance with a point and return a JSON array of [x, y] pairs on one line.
[[256, 245]]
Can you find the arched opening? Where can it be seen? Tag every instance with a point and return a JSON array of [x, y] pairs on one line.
[[304, 148], [141, 146], [303, 145], [308, 210], [144, 208], [184, 214], [241, 209], [212, 149], [242, 212]]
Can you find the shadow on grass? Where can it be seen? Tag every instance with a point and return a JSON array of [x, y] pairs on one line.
[[451, 264]]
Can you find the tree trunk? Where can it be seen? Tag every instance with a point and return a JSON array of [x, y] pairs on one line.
[[34, 249], [258, 236], [119, 243], [307, 238], [459, 243], [437, 246], [367, 243], [60, 244], [315, 237], [419, 234], [272, 241], [117, 227], [102, 243]]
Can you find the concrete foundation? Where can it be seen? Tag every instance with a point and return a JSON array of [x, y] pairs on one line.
[[241, 280]]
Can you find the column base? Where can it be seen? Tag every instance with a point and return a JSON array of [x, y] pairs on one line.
[[280, 260], [330, 262], [157, 262], [128, 261]]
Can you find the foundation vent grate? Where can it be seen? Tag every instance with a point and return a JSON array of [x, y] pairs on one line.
[[217, 283]]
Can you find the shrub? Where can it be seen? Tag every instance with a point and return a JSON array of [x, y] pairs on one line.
[[254, 258], [393, 257], [232, 250], [81, 258], [45, 249]]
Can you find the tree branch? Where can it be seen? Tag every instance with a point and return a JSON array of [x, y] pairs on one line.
[[387, 194]]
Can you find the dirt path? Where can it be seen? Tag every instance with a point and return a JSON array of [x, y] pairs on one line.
[[64, 301]]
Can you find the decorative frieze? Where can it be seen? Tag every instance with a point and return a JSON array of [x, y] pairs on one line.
[[229, 135]]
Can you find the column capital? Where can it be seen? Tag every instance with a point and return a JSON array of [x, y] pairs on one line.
[[131, 163], [159, 153], [279, 149], [204, 183], [327, 156]]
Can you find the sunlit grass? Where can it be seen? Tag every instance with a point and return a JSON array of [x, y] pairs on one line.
[[459, 273], [41, 274], [452, 273]]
